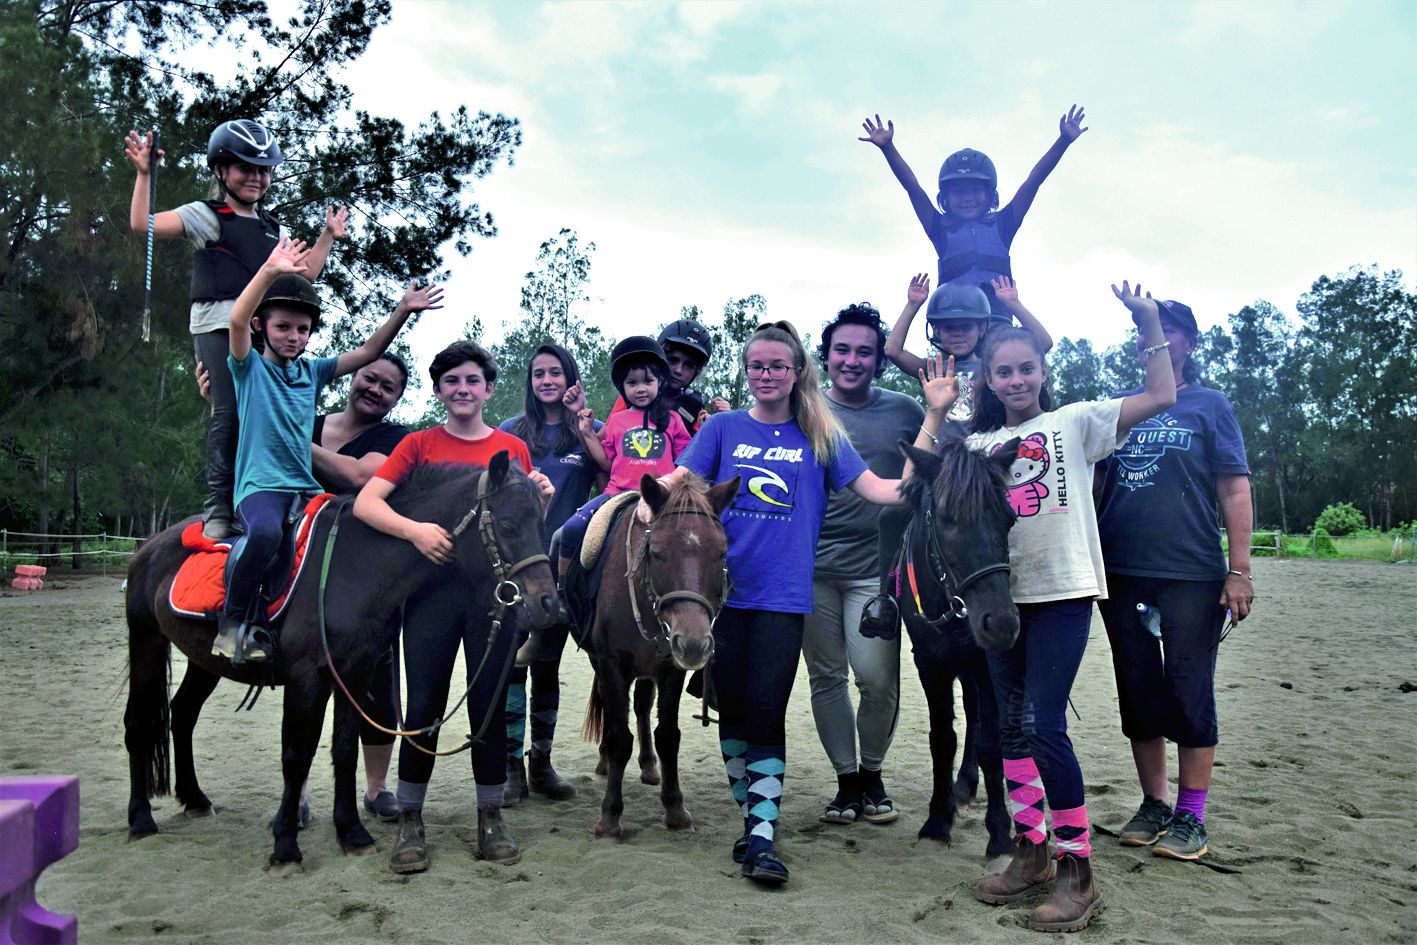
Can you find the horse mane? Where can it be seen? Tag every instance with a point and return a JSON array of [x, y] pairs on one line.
[[689, 493], [967, 486], [423, 495]]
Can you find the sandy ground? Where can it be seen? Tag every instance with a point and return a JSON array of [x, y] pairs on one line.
[[1312, 802]]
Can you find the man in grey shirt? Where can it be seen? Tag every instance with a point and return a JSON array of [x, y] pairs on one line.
[[847, 574]]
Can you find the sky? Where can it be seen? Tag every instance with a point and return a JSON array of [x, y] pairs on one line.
[[1235, 151]]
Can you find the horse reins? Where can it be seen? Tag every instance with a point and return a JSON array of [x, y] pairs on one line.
[[940, 571], [504, 574], [657, 601]]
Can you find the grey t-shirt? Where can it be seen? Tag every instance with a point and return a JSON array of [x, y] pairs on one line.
[[847, 546], [200, 226]]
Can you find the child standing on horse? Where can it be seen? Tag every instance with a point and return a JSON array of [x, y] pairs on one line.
[[277, 393], [231, 236], [438, 617], [1056, 573], [964, 223], [789, 451]]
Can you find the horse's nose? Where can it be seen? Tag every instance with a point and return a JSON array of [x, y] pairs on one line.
[[998, 631], [691, 655]]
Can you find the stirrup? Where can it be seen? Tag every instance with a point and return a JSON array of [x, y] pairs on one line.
[[254, 644], [880, 618]]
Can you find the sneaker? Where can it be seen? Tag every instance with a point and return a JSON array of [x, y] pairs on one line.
[[383, 805], [1148, 825], [1186, 840]]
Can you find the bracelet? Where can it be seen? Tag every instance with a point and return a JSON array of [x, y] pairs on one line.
[[1240, 574], [1148, 352], [933, 439]]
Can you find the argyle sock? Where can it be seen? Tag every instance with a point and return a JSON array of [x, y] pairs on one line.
[[1026, 804]]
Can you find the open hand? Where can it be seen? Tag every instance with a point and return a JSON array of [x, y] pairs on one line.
[[289, 256], [418, 298], [574, 398], [1005, 290], [919, 289], [138, 149], [337, 222], [878, 133], [1135, 302], [938, 380], [1070, 125], [432, 541]]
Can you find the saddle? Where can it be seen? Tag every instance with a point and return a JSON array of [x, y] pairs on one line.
[[199, 588], [581, 582]]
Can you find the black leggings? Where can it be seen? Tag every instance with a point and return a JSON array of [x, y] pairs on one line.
[[383, 701], [755, 660], [436, 620]]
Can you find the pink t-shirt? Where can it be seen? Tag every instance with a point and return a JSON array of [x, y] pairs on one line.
[[635, 449]]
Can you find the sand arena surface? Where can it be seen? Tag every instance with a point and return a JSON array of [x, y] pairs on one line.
[[1312, 800]]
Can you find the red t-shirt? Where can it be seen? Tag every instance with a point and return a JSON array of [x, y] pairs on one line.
[[437, 445]]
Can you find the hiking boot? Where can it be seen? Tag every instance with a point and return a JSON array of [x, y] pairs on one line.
[[228, 631], [410, 853], [1186, 840], [1075, 900], [494, 844], [516, 790], [1148, 825], [880, 618], [545, 781], [1029, 871]]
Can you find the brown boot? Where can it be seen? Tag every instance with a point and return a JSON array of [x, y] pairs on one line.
[[1029, 871], [1075, 900], [410, 853], [494, 844], [545, 781], [515, 791]]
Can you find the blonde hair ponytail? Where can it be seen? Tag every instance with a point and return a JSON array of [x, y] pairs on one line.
[[809, 404]]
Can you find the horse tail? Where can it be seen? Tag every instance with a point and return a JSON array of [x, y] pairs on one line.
[[594, 728], [147, 720]]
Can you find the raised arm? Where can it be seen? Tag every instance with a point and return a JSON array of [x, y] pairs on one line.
[[1069, 128], [1160, 391], [1006, 291], [415, 299], [167, 224], [882, 135], [915, 297], [336, 228], [287, 256], [372, 508], [585, 426]]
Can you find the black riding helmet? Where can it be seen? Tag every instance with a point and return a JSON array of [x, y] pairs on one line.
[[243, 140], [954, 302], [294, 292], [633, 352], [968, 164], [688, 333]]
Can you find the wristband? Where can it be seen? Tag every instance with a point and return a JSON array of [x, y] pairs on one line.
[[1148, 352], [933, 439], [1240, 574]]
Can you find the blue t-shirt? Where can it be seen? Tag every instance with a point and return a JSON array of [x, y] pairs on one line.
[[275, 410], [774, 520], [573, 475], [1157, 514]]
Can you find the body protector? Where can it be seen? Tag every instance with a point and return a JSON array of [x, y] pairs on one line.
[[221, 269], [975, 253]]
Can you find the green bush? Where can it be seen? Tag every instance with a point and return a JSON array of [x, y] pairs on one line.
[[1340, 519], [1262, 544], [1323, 543]]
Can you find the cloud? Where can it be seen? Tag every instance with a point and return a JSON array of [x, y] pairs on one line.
[[753, 92]]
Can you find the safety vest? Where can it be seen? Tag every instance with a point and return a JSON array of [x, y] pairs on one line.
[[975, 253], [221, 269]]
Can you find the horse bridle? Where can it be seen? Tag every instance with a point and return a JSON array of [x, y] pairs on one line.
[[940, 571], [486, 530], [658, 601]]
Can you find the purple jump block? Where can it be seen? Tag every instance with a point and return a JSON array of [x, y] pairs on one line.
[[39, 825]]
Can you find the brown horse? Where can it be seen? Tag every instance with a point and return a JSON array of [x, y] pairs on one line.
[[354, 616], [662, 588]]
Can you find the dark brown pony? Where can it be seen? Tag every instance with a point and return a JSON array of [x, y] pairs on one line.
[[660, 592], [955, 557], [370, 576]]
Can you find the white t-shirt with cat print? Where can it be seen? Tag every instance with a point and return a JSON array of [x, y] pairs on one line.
[[1054, 550]]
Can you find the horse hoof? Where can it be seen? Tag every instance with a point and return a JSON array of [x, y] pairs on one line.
[[137, 833], [678, 821], [285, 869], [964, 796], [604, 832], [933, 830], [649, 774], [351, 850], [357, 842], [194, 811]]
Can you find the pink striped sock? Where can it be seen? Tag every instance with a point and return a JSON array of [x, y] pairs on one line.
[[1191, 801], [1072, 831], [1025, 788]]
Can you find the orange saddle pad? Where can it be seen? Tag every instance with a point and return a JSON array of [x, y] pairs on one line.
[[199, 589]]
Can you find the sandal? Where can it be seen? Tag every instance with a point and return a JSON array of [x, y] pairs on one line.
[[842, 811], [764, 867], [876, 805]]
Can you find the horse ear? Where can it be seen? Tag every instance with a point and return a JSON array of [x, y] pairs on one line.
[[1004, 456], [499, 466], [720, 495], [653, 493], [926, 462]]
